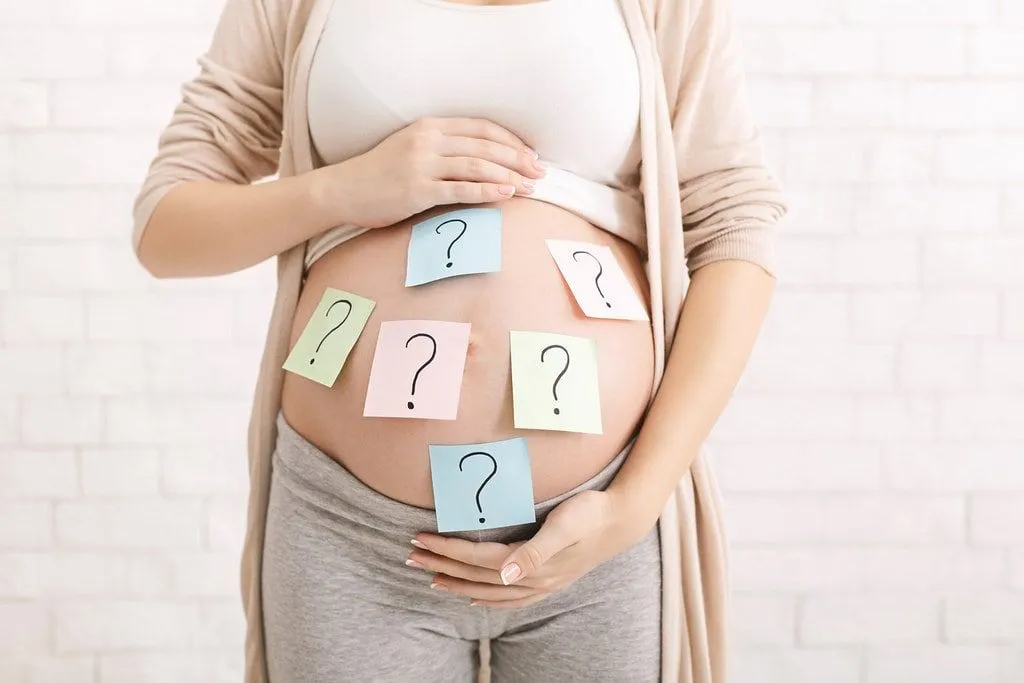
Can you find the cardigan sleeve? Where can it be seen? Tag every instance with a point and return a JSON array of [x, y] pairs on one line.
[[227, 126], [730, 201]]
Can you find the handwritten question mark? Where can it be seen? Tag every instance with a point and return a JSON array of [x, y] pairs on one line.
[[600, 272], [433, 354], [457, 238], [489, 477], [554, 387], [327, 314]]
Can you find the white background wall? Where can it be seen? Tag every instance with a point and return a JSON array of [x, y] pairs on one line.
[[873, 459]]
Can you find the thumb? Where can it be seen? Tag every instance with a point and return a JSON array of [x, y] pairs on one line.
[[528, 558]]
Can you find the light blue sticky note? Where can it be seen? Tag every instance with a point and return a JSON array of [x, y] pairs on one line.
[[460, 242], [482, 486]]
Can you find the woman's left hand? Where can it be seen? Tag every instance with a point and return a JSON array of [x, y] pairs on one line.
[[576, 536]]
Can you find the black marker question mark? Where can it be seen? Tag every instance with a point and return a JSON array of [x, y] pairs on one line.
[[333, 329], [489, 477], [600, 272], [433, 354], [554, 387], [438, 231]]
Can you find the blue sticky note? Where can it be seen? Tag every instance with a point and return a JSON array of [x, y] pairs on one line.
[[460, 242], [482, 486]]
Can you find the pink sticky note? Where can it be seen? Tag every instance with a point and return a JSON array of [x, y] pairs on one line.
[[417, 369], [597, 280]]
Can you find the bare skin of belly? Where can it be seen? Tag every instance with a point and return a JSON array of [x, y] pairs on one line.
[[390, 454]]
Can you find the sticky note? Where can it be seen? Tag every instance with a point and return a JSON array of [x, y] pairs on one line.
[[482, 486], [597, 280], [554, 382], [330, 334], [461, 242], [417, 369]]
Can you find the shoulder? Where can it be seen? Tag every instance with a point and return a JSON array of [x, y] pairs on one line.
[[285, 22], [677, 17]]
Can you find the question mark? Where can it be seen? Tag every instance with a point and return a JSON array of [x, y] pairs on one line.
[[600, 272], [554, 387], [433, 354], [327, 314], [489, 477], [438, 231]]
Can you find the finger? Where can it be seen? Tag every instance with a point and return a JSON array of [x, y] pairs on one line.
[[484, 554], [480, 170], [513, 158], [484, 129], [466, 192], [443, 565], [482, 591], [525, 560]]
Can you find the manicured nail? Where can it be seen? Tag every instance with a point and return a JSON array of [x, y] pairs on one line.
[[540, 165], [510, 573], [529, 185], [414, 563], [418, 544], [439, 587], [506, 190]]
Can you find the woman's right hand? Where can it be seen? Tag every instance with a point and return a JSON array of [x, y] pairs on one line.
[[430, 162]]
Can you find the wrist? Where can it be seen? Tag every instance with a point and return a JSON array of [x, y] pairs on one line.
[[326, 194], [632, 516]]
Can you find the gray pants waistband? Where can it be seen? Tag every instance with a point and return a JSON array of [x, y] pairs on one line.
[[329, 486]]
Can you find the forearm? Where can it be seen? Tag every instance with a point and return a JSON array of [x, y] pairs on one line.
[[722, 315], [203, 228]]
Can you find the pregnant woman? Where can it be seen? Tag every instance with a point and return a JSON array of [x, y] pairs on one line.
[[620, 123]]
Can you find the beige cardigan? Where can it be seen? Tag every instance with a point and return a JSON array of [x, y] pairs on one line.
[[706, 194]]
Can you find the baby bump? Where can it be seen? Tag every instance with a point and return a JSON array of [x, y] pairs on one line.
[[526, 293]]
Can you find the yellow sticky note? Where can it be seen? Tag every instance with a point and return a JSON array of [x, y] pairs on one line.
[[332, 331], [554, 382]]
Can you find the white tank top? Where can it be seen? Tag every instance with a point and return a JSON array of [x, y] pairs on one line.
[[561, 74]]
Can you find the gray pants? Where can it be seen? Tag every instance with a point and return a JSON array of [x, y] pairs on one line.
[[341, 606]]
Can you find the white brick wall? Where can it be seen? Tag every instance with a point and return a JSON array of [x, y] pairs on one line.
[[872, 461]]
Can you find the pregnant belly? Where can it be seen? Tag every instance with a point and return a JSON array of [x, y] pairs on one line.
[[390, 455]]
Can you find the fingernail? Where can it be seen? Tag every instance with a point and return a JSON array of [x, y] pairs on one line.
[[540, 165], [474, 603], [510, 573], [418, 544], [414, 563], [506, 190], [533, 153], [439, 587], [529, 185]]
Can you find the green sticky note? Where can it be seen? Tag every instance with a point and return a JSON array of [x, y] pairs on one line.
[[554, 382], [324, 345]]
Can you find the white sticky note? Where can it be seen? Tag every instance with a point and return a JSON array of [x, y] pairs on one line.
[[597, 280]]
